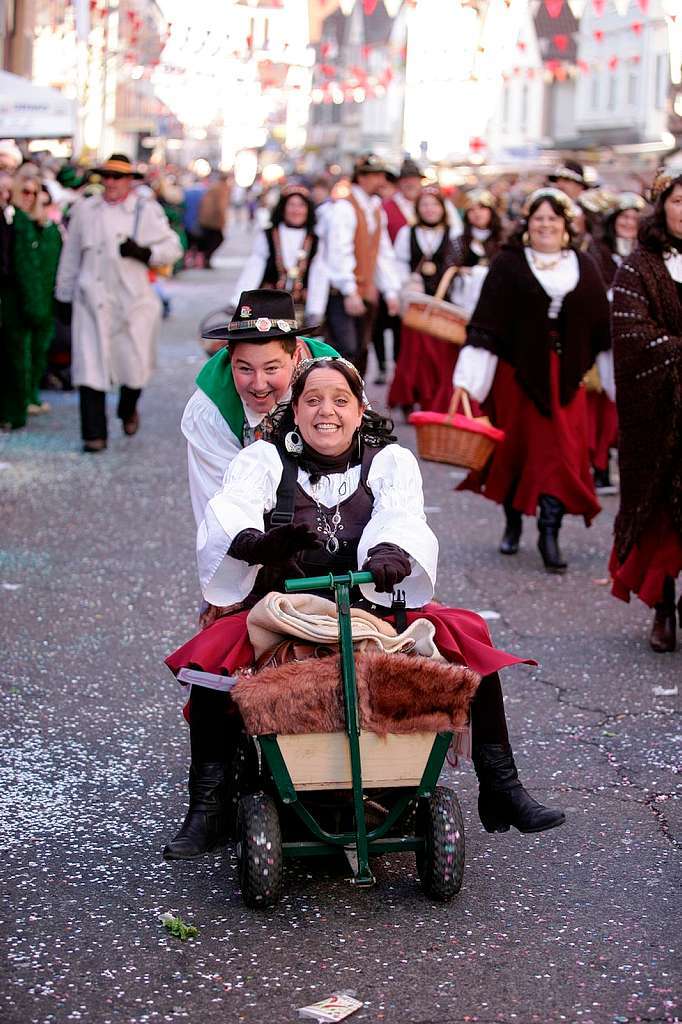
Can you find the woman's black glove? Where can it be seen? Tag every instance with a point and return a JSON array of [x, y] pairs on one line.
[[389, 565], [274, 547], [132, 251]]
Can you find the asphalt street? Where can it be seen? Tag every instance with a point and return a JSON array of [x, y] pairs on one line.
[[98, 584]]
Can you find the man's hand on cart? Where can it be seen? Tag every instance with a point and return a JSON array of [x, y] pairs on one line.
[[389, 566], [276, 546]]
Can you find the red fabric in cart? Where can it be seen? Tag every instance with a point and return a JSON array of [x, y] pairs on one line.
[[461, 637], [540, 454]]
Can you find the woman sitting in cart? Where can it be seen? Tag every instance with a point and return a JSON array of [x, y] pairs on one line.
[[353, 498]]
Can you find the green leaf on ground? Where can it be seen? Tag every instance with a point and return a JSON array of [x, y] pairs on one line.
[[177, 927]]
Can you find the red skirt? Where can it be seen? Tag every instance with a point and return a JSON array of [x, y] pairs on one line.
[[461, 637], [602, 427], [423, 373], [657, 554], [540, 454]]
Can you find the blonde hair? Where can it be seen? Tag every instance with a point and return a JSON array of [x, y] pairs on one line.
[[18, 184]]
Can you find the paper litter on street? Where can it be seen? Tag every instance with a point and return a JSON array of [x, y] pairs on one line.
[[337, 1006]]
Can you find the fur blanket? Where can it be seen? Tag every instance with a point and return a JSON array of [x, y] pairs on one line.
[[397, 693]]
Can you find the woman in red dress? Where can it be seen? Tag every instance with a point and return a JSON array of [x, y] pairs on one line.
[[540, 322], [618, 240], [353, 498], [423, 373], [647, 350]]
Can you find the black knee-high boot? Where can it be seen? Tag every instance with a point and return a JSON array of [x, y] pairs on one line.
[[509, 544], [502, 800], [213, 731], [549, 523]]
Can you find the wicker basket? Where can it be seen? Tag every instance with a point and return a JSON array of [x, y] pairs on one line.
[[433, 315], [459, 440]]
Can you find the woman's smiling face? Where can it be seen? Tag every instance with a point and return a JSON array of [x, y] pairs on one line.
[[327, 413]]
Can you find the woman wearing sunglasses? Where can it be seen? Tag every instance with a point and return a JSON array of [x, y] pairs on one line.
[[27, 304]]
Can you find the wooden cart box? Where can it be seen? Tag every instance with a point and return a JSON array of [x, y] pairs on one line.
[[322, 760]]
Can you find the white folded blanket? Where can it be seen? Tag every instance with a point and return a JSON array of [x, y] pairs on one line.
[[314, 619]]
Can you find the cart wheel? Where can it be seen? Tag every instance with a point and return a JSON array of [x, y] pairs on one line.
[[441, 863], [244, 776], [259, 850]]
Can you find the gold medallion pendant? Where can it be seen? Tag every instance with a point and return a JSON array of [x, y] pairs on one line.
[[428, 268]]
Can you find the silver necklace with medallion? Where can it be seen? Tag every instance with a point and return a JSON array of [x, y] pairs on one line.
[[328, 525]]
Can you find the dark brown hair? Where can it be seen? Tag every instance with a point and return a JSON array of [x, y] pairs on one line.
[[280, 210], [653, 231], [556, 206], [375, 430], [444, 214], [288, 344]]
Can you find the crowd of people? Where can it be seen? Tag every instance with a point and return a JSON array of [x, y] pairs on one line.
[[569, 290], [567, 297], [540, 272]]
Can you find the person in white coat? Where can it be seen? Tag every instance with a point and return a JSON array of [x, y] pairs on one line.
[[103, 288]]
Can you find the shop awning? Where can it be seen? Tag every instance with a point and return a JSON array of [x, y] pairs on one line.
[[30, 111]]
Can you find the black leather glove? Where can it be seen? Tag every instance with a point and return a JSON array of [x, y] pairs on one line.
[[63, 312], [132, 251], [274, 547], [389, 565]]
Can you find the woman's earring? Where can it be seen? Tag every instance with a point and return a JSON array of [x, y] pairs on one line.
[[565, 240], [525, 238], [293, 443]]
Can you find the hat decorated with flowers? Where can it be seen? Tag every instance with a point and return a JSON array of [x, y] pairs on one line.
[[264, 314]]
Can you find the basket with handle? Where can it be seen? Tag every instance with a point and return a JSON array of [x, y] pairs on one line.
[[459, 439], [433, 315]]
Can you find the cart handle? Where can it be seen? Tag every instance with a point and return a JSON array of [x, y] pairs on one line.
[[349, 579]]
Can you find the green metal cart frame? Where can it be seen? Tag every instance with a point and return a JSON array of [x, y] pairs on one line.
[[361, 843]]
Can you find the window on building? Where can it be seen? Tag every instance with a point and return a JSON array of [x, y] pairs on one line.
[[632, 88], [594, 91], [613, 91], [662, 64]]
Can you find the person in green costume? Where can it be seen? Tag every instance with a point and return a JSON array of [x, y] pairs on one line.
[[242, 391], [27, 304]]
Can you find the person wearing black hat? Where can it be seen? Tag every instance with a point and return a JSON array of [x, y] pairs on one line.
[[103, 283], [244, 390], [361, 262], [357, 502], [287, 255], [570, 178]]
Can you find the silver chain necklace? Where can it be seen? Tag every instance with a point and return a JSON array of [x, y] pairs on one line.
[[331, 525]]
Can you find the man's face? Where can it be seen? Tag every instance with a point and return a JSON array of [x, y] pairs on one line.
[[371, 183], [5, 188], [571, 188], [262, 373], [410, 188], [7, 163], [116, 187]]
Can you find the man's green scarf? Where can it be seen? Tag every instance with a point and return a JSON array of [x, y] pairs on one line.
[[215, 380]]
